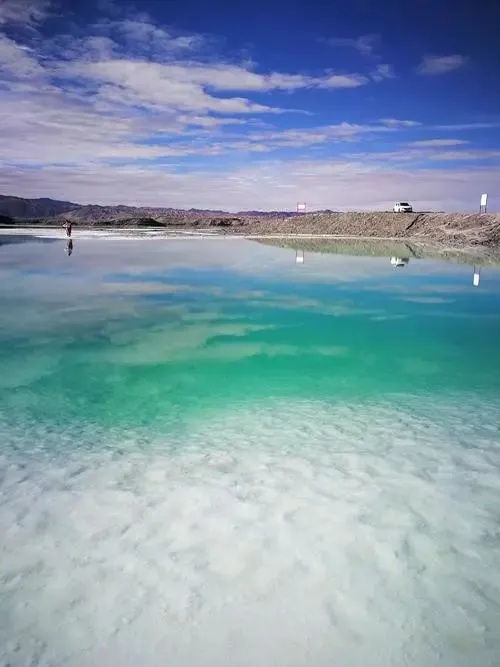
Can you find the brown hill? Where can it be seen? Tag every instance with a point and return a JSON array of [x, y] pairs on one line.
[[18, 207]]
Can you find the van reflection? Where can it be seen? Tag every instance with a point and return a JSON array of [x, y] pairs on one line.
[[399, 261]]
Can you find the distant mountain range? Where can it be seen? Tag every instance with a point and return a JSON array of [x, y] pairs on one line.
[[25, 209], [17, 207]]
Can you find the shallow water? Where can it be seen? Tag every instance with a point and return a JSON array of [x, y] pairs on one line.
[[212, 455]]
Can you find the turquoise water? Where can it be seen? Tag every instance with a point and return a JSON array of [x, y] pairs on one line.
[[214, 455]]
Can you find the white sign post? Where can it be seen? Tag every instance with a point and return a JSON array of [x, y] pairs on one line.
[[302, 208], [484, 202]]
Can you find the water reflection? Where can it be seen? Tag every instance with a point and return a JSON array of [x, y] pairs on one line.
[[398, 252], [399, 261], [478, 256], [69, 247], [476, 277]]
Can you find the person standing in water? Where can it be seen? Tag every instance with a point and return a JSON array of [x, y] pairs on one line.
[[68, 226]]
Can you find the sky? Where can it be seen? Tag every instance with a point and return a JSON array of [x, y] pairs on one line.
[[182, 103]]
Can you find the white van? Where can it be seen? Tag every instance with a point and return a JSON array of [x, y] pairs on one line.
[[402, 207]]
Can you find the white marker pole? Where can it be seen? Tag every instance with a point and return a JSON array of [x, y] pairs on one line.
[[484, 203]]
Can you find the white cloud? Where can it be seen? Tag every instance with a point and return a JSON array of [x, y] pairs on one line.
[[317, 135], [23, 12], [468, 126], [420, 156], [136, 83], [383, 71], [365, 44], [186, 84], [48, 129], [435, 65], [435, 143], [16, 60], [397, 123], [343, 81], [210, 121], [141, 31], [454, 156]]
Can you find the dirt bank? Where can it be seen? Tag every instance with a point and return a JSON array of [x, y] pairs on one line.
[[453, 229]]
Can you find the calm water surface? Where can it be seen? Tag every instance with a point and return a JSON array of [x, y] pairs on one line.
[[213, 455]]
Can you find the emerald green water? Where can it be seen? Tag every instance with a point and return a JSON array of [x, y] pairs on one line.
[[212, 455], [166, 343]]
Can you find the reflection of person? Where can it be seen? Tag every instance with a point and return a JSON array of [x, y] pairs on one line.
[[68, 225], [69, 247]]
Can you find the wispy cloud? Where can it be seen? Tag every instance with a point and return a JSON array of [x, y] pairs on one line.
[[422, 157], [342, 81], [383, 71], [436, 65], [365, 44], [468, 126], [140, 33], [186, 85], [23, 12], [436, 143], [17, 62], [322, 134], [396, 122], [456, 156]]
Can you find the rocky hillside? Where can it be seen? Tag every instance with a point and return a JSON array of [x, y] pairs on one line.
[[17, 207], [95, 214], [23, 209]]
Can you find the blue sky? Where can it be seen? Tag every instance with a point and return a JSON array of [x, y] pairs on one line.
[[343, 105]]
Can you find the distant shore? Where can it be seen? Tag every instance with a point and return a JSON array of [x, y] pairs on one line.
[[452, 229]]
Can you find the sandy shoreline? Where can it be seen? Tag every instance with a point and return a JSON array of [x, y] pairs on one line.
[[161, 232], [340, 244]]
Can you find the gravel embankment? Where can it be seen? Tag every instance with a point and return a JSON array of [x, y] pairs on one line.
[[449, 228]]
